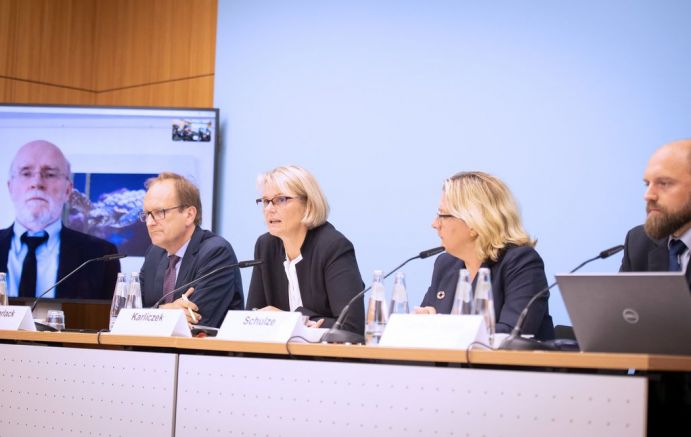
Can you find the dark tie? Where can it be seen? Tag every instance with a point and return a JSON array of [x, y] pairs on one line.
[[169, 279], [27, 283], [676, 248]]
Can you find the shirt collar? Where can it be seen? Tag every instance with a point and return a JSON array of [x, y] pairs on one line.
[[181, 252], [53, 230], [685, 237]]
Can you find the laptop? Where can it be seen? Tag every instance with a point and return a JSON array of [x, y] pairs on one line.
[[642, 312]]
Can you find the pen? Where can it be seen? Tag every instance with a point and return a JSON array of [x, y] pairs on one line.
[[189, 310]]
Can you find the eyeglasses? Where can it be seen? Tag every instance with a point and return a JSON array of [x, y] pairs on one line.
[[157, 214], [278, 201], [47, 174]]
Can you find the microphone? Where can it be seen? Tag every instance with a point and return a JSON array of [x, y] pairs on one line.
[[514, 341], [338, 335], [241, 264], [109, 257]]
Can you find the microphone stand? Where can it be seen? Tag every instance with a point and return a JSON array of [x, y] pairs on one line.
[[43, 327], [338, 335], [241, 264], [514, 341]]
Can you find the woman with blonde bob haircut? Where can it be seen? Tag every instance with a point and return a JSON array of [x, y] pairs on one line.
[[480, 226], [308, 266]]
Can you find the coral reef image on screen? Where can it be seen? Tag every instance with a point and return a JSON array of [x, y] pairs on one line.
[[106, 205]]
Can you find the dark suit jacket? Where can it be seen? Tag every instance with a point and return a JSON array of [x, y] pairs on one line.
[[94, 281], [214, 295], [643, 254], [328, 276], [517, 276]]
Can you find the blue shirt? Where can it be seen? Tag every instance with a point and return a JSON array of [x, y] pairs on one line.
[[47, 259]]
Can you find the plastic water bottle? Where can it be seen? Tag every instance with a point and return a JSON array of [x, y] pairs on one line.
[[134, 295], [3, 289], [484, 302], [377, 313], [463, 299], [119, 298], [399, 296]]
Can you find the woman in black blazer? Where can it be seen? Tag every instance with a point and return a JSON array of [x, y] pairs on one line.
[[308, 266], [480, 226]]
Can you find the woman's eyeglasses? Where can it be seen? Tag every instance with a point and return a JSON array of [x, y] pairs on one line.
[[278, 201]]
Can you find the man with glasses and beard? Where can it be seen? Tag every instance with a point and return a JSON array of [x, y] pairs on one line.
[[37, 250], [662, 243]]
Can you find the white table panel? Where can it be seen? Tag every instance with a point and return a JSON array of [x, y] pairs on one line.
[[61, 391], [228, 396]]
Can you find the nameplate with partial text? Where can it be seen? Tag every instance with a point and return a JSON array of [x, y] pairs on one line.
[[437, 331], [267, 326], [14, 318], [154, 322]]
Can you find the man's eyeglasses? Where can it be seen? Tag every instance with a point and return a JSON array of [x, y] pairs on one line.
[[278, 201], [157, 214], [47, 174]]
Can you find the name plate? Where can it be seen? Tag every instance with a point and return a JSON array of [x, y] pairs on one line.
[[436, 331], [156, 322], [267, 326], [14, 318]]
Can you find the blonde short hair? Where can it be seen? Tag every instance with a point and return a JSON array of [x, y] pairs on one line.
[[487, 206], [296, 181]]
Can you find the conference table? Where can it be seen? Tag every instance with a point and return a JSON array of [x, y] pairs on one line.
[[71, 384]]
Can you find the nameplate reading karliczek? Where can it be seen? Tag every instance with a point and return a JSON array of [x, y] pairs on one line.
[[155, 322]]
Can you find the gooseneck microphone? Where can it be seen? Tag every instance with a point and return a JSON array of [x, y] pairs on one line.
[[111, 257], [514, 341], [241, 264], [338, 335]]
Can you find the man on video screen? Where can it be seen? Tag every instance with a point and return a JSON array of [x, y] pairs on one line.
[[37, 250]]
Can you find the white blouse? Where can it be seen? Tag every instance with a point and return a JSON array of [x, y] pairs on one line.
[[294, 297]]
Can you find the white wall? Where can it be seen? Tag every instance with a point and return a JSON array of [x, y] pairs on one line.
[[383, 100]]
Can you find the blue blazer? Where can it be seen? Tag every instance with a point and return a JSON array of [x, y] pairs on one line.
[[95, 281], [517, 276], [215, 295], [643, 254]]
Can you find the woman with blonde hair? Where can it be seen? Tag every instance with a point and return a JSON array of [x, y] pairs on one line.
[[308, 266], [480, 226]]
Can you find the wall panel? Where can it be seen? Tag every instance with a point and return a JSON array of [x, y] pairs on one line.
[[21, 91], [116, 52]]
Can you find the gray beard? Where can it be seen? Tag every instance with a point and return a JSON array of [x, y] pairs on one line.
[[35, 222]]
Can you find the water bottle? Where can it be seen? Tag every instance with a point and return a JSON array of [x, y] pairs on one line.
[[377, 313], [463, 299], [119, 298], [484, 303], [3, 289], [134, 295], [399, 296]]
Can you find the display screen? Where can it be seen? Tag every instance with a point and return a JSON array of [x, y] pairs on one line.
[[112, 152]]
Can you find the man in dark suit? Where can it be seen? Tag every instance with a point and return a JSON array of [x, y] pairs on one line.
[[662, 243], [37, 250], [182, 251]]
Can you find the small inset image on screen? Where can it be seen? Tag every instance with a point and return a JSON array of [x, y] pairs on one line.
[[185, 130]]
